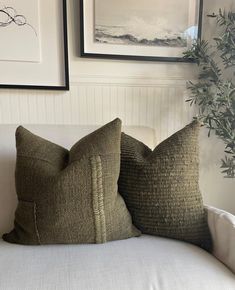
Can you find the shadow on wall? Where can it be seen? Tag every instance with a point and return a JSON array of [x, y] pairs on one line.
[[217, 190], [76, 26]]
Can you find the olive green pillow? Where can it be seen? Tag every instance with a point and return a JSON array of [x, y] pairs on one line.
[[70, 196], [161, 187]]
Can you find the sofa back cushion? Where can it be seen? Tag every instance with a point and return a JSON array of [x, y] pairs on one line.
[[69, 196]]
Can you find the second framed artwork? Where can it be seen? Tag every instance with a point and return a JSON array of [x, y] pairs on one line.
[[141, 30]]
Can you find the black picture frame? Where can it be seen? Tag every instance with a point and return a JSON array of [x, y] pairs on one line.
[[85, 54], [65, 85]]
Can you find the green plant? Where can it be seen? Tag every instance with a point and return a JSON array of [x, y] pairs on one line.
[[214, 93]]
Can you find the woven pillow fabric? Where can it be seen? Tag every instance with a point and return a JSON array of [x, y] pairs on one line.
[[70, 196], [161, 187]]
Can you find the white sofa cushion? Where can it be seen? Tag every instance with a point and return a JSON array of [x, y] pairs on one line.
[[145, 263], [222, 227]]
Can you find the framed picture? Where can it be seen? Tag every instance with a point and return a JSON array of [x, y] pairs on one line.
[[34, 45], [153, 30]]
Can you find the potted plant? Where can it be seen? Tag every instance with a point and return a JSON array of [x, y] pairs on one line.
[[214, 92]]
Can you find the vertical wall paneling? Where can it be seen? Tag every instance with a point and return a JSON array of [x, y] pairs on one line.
[[159, 104]]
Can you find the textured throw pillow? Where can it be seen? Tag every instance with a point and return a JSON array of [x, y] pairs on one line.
[[161, 187], [70, 196]]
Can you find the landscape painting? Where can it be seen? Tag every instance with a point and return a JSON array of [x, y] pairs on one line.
[[153, 30], [147, 23], [19, 31]]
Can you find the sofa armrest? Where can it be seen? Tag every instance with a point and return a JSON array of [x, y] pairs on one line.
[[222, 228]]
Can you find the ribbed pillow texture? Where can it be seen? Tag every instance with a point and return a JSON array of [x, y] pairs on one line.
[[71, 196], [161, 187]]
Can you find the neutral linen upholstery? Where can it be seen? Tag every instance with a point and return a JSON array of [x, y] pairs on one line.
[[145, 263], [222, 227], [161, 187], [64, 135], [69, 196]]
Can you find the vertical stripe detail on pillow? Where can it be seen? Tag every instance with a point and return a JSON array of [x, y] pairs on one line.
[[35, 222], [98, 199]]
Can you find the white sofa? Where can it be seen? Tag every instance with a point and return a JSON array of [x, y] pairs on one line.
[[144, 263]]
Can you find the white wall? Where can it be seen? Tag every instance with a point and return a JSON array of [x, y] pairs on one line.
[[141, 93]]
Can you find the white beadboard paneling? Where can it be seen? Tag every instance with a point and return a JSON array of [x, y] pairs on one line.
[[119, 80], [158, 104]]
